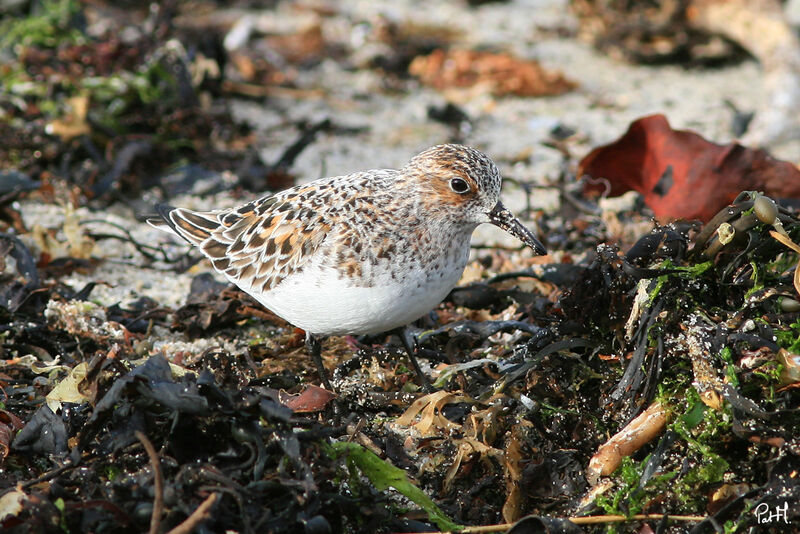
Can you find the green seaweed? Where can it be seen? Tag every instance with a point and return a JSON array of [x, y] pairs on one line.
[[52, 25], [384, 475]]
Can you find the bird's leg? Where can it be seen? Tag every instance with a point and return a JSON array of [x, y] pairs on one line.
[[410, 343], [315, 349]]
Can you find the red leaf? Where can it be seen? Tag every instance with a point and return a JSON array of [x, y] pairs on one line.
[[312, 399], [9, 424], [682, 175]]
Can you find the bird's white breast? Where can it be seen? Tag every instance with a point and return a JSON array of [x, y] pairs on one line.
[[319, 300]]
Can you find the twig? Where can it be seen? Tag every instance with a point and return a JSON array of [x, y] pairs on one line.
[[588, 520], [142, 248], [198, 515], [307, 136], [158, 500]]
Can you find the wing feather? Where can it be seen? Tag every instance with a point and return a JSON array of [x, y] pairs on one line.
[[256, 246]]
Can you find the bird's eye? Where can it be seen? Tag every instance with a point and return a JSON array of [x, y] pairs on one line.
[[459, 185]]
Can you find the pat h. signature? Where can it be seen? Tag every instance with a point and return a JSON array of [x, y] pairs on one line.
[[766, 514]]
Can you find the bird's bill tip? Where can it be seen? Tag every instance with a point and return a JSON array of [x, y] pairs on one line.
[[502, 218]]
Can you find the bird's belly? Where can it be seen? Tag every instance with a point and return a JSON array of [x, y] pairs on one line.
[[323, 303]]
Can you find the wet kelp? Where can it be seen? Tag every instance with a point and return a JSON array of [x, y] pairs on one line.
[[705, 341], [686, 346]]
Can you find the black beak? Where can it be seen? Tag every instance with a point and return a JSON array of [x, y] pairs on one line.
[[502, 218]]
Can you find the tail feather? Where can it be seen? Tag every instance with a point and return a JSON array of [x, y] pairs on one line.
[[163, 222], [194, 227]]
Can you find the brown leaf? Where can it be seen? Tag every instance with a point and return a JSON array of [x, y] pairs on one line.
[[682, 175], [429, 410], [500, 74]]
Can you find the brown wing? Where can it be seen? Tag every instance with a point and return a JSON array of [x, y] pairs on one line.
[[257, 245]]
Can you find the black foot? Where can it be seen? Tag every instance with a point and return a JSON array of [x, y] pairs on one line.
[[315, 349], [410, 342]]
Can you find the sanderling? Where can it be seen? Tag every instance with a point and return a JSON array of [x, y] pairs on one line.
[[364, 253]]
